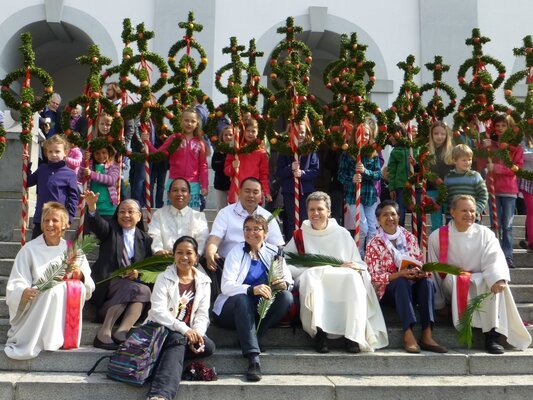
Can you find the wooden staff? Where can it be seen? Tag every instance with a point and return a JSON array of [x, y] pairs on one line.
[[412, 189], [24, 222], [358, 142], [147, 188], [294, 141]]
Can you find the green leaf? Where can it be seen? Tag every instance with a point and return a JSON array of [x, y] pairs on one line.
[[464, 327], [275, 214], [149, 264], [51, 276], [314, 260], [275, 272], [442, 267]]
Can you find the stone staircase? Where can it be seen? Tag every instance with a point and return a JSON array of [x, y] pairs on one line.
[[290, 366]]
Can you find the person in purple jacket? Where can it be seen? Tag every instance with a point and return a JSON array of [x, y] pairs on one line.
[[307, 169], [55, 181]]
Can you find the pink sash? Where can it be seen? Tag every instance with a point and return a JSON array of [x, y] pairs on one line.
[[463, 279], [72, 314]]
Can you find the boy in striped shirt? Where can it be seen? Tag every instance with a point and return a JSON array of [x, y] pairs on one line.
[[463, 180]]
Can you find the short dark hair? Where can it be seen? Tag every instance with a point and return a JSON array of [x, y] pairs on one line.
[[258, 220], [187, 239], [387, 203], [179, 179], [250, 178]]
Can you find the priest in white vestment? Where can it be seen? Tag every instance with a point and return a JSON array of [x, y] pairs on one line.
[[38, 318], [335, 301], [475, 249]]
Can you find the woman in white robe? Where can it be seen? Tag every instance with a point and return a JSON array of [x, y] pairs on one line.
[[38, 318], [335, 301], [475, 249]]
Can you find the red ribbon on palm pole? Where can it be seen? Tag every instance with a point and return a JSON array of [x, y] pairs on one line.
[[25, 162], [293, 140], [412, 189], [358, 142], [81, 204], [423, 236], [147, 189]]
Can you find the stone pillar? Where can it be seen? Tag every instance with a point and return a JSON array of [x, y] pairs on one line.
[[11, 178]]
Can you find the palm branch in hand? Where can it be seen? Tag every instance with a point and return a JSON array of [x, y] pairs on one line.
[[275, 273]]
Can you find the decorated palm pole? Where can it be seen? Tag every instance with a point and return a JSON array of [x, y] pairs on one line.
[[27, 104], [478, 104], [291, 102], [140, 66], [187, 68], [524, 109], [94, 104], [241, 100], [350, 107], [408, 107], [435, 110]]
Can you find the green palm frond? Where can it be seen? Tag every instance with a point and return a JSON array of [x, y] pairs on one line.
[[87, 244], [465, 322], [275, 214], [442, 267], [275, 272], [151, 264], [150, 276], [56, 271], [314, 260], [51, 277]]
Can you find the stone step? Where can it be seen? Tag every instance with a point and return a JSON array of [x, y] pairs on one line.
[[5, 266], [525, 310], [68, 386], [286, 337], [306, 362]]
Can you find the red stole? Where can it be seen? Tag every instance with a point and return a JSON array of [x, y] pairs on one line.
[[463, 279], [298, 236], [72, 314]]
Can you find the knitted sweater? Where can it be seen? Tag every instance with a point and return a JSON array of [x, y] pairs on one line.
[[469, 182]]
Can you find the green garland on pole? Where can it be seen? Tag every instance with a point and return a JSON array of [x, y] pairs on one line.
[[27, 103], [236, 107], [435, 108], [185, 91], [479, 99], [350, 107], [291, 102], [137, 65], [92, 100]]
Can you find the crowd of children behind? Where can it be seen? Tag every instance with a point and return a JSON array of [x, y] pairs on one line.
[[61, 177]]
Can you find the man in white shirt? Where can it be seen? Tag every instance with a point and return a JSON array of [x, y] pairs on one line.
[[227, 230], [177, 219]]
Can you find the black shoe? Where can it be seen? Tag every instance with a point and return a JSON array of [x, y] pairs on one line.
[[491, 343], [510, 263], [321, 342], [106, 346], [254, 372], [523, 244], [351, 346]]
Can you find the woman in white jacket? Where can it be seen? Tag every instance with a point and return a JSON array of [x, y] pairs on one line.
[[245, 282], [180, 302]]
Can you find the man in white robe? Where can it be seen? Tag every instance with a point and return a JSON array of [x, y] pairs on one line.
[[339, 301], [475, 249], [39, 324]]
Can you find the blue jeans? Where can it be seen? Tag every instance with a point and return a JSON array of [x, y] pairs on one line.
[[405, 294], [137, 177], [506, 209], [167, 376], [240, 313], [158, 174]]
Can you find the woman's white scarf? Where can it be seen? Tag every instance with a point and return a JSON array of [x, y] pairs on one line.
[[400, 250]]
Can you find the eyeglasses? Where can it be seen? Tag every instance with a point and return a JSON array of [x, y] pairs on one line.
[[254, 230], [128, 212]]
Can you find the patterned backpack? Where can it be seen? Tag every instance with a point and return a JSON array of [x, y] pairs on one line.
[[135, 359]]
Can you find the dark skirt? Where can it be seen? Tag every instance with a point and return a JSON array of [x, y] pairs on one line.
[[124, 291]]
